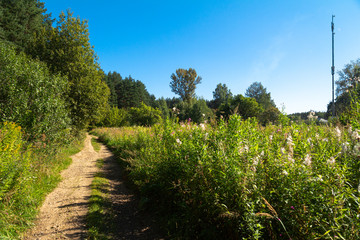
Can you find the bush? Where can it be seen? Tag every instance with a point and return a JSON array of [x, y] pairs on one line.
[[115, 117], [31, 96], [14, 158], [144, 115]]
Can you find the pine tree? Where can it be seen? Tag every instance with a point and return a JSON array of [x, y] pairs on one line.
[[20, 19]]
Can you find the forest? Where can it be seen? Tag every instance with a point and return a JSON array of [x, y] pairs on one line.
[[234, 166]]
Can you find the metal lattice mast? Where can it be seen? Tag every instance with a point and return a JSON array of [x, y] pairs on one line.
[[332, 66]]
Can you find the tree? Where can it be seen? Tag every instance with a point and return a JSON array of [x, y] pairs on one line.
[[349, 77], [112, 79], [244, 106], [67, 50], [257, 91], [220, 95], [20, 19], [131, 93], [184, 83]]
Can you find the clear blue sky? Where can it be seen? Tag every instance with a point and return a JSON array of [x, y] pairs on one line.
[[285, 45]]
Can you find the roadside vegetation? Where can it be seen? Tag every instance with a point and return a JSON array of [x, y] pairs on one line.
[[240, 180], [233, 167], [28, 173]]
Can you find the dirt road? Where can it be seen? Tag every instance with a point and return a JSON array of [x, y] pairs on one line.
[[63, 214]]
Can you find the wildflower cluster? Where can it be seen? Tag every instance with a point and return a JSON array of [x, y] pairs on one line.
[[218, 177]]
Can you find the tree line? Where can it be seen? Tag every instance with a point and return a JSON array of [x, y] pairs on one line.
[[52, 82]]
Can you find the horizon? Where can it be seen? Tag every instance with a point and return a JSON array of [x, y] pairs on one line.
[[285, 46]]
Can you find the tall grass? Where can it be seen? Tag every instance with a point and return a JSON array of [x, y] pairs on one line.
[[211, 181], [27, 173]]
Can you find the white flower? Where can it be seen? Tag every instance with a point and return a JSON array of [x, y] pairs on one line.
[[202, 126], [337, 132], [282, 150], [290, 159], [309, 140], [256, 161], [355, 135], [271, 137], [285, 173], [331, 161], [356, 149], [178, 141], [344, 147], [290, 141], [307, 160]]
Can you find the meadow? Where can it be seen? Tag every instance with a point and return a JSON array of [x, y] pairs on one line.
[[240, 180]]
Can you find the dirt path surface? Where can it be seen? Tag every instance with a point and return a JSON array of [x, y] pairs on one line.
[[63, 214]]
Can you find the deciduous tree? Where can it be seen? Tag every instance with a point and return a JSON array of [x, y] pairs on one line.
[[67, 50], [184, 83]]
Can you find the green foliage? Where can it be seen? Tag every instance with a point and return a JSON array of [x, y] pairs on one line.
[[28, 173], [115, 117], [263, 98], [131, 93], [196, 111], [112, 79], [270, 115], [67, 50], [31, 96], [163, 108], [144, 115], [15, 162], [347, 88], [20, 19], [221, 95], [219, 182], [348, 77], [245, 106], [351, 114], [184, 83]]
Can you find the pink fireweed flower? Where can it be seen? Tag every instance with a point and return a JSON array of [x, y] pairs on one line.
[[307, 160]]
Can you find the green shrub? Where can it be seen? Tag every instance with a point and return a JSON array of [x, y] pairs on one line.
[[115, 117], [31, 97], [144, 115], [14, 158]]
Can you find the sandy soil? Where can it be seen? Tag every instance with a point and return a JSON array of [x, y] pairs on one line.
[[63, 213]]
